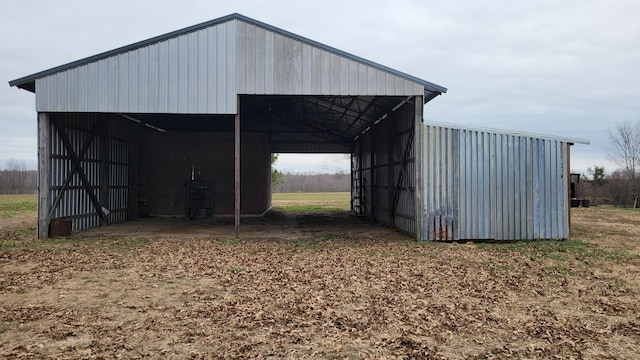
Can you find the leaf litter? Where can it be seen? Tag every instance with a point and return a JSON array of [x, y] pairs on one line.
[[317, 286]]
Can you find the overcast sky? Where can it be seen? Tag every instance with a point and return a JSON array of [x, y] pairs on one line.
[[566, 68]]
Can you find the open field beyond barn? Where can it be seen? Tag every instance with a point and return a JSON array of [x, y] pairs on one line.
[[309, 280]]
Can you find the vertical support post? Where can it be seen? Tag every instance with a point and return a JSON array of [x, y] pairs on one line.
[[568, 175], [361, 192], [391, 138], [353, 188], [419, 148], [133, 165], [373, 161], [237, 169], [44, 170], [104, 167]]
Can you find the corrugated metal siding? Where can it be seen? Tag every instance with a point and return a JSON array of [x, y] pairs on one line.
[[489, 185], [271, 63], [120, 144], [377, 162], [203, 71], [75, 202], [380, 173], [404, 144], [192, 73]]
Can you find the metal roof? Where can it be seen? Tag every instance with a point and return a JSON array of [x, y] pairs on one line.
[[508, 132], [28, 82]]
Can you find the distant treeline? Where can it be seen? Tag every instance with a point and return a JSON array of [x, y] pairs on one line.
[[617, 189], [15, 178], [314, 183]]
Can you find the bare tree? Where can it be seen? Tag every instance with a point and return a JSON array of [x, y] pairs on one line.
[[16, 178], [17, 171], [624, 151]]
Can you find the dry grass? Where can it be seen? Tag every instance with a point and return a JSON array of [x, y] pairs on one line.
[[321, 285], [17, 205], [328, 201]]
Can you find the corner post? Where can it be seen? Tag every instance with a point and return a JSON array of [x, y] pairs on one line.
[[568, 174], [44, 169], [104, 167], [418, 147]]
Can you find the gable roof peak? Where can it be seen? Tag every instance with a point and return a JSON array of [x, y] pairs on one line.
[[28, 82]]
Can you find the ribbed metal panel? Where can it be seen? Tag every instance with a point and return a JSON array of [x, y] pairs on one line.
[[404, 164], [272, 63], [384, 170], [201, 72], [75, 202], [187, 74], [481, 184]]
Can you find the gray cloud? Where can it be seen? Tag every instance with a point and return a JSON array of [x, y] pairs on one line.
[[567, 68]]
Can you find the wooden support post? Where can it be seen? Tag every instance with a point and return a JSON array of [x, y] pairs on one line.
[[104, 167], [44, 170], [237, 170], [391, 190], [372, 188], [133, 165], [353, 187], [568, 174], [419, 148]]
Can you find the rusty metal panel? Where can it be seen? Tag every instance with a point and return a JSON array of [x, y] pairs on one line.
[[486, 184], [441, 178]]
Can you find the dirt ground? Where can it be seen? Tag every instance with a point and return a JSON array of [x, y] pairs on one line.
[[318, 285]]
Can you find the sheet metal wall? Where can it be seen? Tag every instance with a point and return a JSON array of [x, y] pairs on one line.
[[192, 73], [379, 158], [204, 70], [404, 167], [489, 185], [106, 165], [271, 63]]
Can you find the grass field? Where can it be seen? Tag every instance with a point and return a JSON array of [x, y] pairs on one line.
[[318, 284], [329, 201], [18, 205]]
